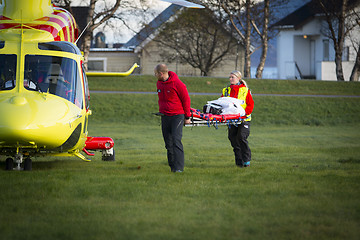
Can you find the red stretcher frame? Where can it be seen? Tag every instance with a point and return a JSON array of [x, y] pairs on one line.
[[207, 119]]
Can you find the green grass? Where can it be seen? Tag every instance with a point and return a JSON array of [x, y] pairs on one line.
[[268, 110], [303, 182], [147, 83]]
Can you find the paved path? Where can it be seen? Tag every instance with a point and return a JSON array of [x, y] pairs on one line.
[[217, 94]]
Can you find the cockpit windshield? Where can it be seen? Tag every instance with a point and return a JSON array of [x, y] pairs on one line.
[[56, 75], [7, 71]]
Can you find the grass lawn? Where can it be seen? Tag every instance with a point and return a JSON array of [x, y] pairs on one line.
[[303, 182], [147, 83]]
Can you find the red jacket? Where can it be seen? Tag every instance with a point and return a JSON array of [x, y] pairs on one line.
[[173, 96]]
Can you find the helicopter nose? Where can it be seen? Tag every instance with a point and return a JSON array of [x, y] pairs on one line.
[[36, 119], [15, 112]]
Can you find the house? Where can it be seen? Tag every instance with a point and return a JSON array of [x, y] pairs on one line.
[[278, 11], [145, 50], [305, 52]]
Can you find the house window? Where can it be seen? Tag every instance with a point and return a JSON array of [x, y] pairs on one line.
[[97, 64], [326, 49]]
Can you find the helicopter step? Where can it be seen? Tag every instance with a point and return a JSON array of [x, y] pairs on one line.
[[27, 163]]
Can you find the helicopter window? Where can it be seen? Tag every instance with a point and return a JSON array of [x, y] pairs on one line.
[[79, 95], [56, 75], [62, 46], [2, 44], [7, 71], [86, 87]]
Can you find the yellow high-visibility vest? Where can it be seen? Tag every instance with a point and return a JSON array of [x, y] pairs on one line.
[[243, 91]]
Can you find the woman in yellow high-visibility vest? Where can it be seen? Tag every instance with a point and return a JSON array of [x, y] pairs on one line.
[[238, 134]]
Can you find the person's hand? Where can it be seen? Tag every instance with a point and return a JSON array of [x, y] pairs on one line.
[[187, 121]]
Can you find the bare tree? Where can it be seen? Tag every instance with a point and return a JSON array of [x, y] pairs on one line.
[[201, 41], [342, 19], [251, 20], [99, 12], [355, 73], [264, 14], [95, 19], [264, 37], [63, 3], [247, 71], [335, 18], [234, 10], [355, 21]]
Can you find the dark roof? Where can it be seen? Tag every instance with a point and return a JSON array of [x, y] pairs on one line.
[[152, 27], [308, 12], [299, 17]]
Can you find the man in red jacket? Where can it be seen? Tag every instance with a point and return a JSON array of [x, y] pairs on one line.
[[174, 106]]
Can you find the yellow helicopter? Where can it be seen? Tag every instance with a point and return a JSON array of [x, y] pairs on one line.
[[44, 95]]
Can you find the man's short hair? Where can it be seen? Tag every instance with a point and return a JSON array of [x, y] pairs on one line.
[[162, 68]]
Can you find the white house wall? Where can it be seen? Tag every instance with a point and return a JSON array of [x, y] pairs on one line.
[[328, 70], [285, 55], [355, 40], [115, 60], [293, 46]]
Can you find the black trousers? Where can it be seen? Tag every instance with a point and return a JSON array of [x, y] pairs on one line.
[[172, 127], [238, 138]]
